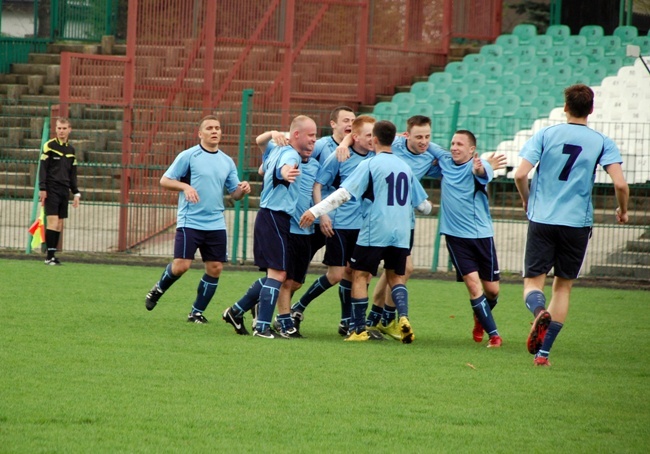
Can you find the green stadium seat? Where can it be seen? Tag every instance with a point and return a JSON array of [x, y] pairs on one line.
[[526, 115], [509, 103], [544, 105], [544, 83], [562, 74], [457, 69], [473, 103], [492, 93], [578, 63], [491, 116], [526, 54], [385, 110], [508, 62], [400, 122], [422, 90], [491, 50], [440, 81], [492, 71], [594, 53], [544, 63], [592, 33], [457, 91], [508, 43], [644, 43], [420, 109], [526, 93], [474, 82], [559, 33], [561, 54], [525, 33], [439, 102], [526, 72], [509, 82], [612, 64], [576, 43], [581, 79], [611, 45], [626, 33], [543, 44], [404, 102], [473, 62]]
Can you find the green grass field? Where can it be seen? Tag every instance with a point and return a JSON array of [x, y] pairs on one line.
[[85, 368]]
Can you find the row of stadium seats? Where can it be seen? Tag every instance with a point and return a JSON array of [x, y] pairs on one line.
[[527, 33]]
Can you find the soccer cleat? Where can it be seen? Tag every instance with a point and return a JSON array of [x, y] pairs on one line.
[[537, 332], [477, 332], [374, 334], [391, 330], [292, 333], [297, 317], [196, 317], [344, 329], [406, 330], [266, 334], [495, 341], [237, 321], [276, 325], [152, 297], [541, 361], [363, 336], [52, 262]]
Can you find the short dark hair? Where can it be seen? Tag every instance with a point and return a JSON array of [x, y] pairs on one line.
[[334, 115], [417, 120], [208, 117], [579, 100], [470, 135], [385, 132]]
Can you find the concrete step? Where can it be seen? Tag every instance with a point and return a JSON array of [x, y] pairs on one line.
[[50, 90], [639, 245], [15, 179], [54, 99], [27, 111], [18, 166], [629, 258], [31, 68], [47, 59], [76, 47], [19, 154], [626, 271]]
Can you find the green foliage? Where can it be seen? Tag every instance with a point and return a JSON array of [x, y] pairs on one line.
[[536, 13], [85, 368]]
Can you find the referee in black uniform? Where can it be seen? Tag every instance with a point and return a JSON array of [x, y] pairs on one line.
[[57, 177]]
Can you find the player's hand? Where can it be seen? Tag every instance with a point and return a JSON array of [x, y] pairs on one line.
[[279, 138], [290, 173], [342, 153], [75, 202], [306, 219], [497, 161], [478, 169], [191, 195], [621, 218], [326, 226], [525, 205], [42, 195], [245, 187]]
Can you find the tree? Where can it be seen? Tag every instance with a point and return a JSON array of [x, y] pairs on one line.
[[44, 12]]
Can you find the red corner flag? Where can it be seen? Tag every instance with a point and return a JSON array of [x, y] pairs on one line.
[[37, 230]]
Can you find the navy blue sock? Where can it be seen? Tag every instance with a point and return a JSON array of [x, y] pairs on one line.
[[167, 278], [401, 299], [250, 298], [374, 317], [388, 315], [316, 289], [493, 302], [345, 295], [536, 302], [484, 314], [359, 307], [268, 297], [204, 293], [286, 322], [552, 332]]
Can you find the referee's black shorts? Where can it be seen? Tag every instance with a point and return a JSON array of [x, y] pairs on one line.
[[56, 203]]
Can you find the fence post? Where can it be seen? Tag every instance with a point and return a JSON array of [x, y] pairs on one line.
[[44, 137], [243, 122]]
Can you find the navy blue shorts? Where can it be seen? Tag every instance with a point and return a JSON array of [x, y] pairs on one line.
[[56, 204], [271, 239], [367, 258], [473, 254], [318, 240], [340, 247], [559, 247], [213, 244], [299, 257]]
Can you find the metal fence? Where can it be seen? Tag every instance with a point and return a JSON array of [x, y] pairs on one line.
[[148, 216]]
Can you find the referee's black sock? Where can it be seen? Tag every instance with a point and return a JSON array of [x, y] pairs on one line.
[[51, 240]]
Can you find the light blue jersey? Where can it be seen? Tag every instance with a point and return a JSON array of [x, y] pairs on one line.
[[333, 173], [421, 164], [388, 192], [566, 156], [207, 172], [323, 148], [278, 194], [465, 212], [308, 172]]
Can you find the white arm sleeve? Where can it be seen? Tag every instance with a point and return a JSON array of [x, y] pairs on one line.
[[424, 208], [334, 200]]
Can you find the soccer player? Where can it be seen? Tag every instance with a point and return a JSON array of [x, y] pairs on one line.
[[467, 225], [388, 191], [560, 211], [278, 203], [57, 177], [344, 221], [199, 174]]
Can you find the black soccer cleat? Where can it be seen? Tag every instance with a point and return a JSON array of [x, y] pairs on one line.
[[197, 317], [297, 317], [237, 321], [152, 297], [291, 333], [52, 262], [266, 334]]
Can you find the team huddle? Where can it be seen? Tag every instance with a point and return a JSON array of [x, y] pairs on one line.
[[356, 193]]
